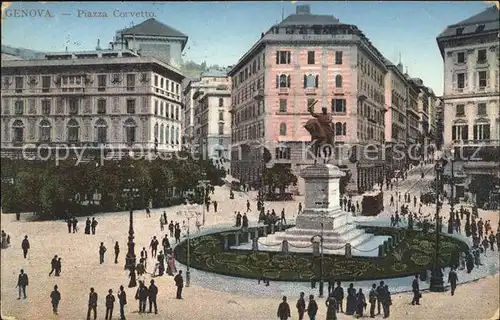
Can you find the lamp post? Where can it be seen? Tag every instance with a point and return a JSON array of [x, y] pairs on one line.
[[189, 215], [437, 283], [321, 269], [203, 184], [452, 193], [130, 258]]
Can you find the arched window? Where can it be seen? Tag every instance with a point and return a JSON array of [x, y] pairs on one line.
[[101, 129], [282, 129], [344, 128], [73, 130], [167, 134], [156, 107], [162, 131], [45, 129], [18, 131], [338, 128], [156, 131], [284, 81], [130, 127], [338, 81], [221, 102], [311, 81], [177, 136], [172, 135]]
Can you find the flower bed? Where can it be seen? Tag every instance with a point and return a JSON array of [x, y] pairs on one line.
[[413, 254]]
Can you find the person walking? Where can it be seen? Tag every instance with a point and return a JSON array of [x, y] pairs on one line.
[[117, 251], [53, 264], [312, 308], [110, 303], [284, 310], [331, 308], [179, 283], [144, 256], [122, 299], [152, 293], [301, 306], [361, 303], [372, 298], [25, 245], [142, 296], [154, 247], [416, 291], [55, 297], [452, 280], [380, 294], [338, 294], [215, 206], [386, 301], [22, 283], [92, 304], [58, 267], [102, 250], [94, 225]]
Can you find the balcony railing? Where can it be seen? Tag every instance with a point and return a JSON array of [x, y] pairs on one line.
[[310, 91], [259, 94], [491, 142], [283, 90]]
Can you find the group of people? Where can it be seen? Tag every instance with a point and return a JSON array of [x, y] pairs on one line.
[[5, 240], [90, 225]]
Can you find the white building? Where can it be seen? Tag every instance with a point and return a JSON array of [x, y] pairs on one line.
[[470, 51], [107, 99]]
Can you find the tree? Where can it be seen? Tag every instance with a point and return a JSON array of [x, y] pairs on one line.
[[278, 177]]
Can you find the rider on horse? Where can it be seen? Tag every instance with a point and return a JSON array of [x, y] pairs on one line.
[[320, 128]]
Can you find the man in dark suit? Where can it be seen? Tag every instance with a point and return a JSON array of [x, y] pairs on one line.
[[92, 304], [416, 291], [122, 299], [22, 283], [25, 245], [179, 282], [153, 292]]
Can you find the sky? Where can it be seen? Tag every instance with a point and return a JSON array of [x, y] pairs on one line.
[[221, 32]]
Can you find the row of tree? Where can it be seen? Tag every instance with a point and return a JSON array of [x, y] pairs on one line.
[[53, 191]]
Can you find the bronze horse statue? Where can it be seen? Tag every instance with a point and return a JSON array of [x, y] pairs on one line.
[[321, 130]]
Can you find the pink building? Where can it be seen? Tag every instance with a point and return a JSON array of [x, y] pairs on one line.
[[305, 58]]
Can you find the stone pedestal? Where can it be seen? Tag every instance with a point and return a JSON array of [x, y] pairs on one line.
[[284, 246], [255, 244]]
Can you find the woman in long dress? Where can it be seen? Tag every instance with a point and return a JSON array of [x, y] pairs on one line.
[[361, 303], [331, 308], [351, 300]]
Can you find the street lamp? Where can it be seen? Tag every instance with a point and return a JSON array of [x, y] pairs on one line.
[[323, 204], [437, 283], [452, 193], [130, 258], [189, 215], [203, 184]]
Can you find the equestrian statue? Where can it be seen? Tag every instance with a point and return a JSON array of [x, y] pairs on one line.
[[321, 130]]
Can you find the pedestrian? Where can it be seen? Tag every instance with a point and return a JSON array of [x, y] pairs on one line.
[[351, 300], [380, 294], [452, 280], [331, 308], [312, 308], [179, 283], [416, 291], [165, 243], [283, 219], [338, 294], [361, 303], [215, 206], [75, 224], [161, 224], [491, 238], [300, 208], [94, 225], [92, 304], [177, 234], [25, 245], [53, 264], [69, 222], [102, 250], [144, 256], [58, 267], [301, 306], [142, 296], [22, 283], [154, 246], [171, 228], [117, 251], [372, 298], [152, 293], [284, 310], [485, 244], [55, 297], [165, 220], [386, 301], [122, 299], [87, 226], [110, 303], [148, 213], [248, 206]]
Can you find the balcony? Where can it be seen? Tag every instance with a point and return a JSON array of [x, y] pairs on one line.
[[339, 91], [310, 91], [489, 142], [259, 94], [283, 91]]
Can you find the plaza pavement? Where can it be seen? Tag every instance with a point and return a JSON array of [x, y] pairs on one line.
[[81, 270]]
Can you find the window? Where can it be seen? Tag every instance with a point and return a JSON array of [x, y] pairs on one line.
[[221, 128], [162, 132], [310, 57], [101, 131], [176, 112], [338, 105], [45, 130], [19, 107], [177, 88], [309, 104], [19, 84], [283, 153], [167, 134], [283, 81], [73, 106], [130, 82], [73, 130], [156, 107], [461, 57], [101, 82], [340, 129], [459, 31], [283, 105], [483, 79], [221, 115], [460, 80], [311, 81], [282, 129], [162, 113], [130, 127], [171, 86], [481, 109], [338, 81], [161, 83], [480, 28], [460, 132], [101, 106], [130, 106], [45, 83], [481, 132], [221, 102], [338, 57], [17, 131], [156, 128], [460, 110], [481, 56], [283, 57], [177, 136], [46, 107], [156, 81]]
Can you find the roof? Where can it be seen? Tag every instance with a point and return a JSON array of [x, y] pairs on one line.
[[488, 18], [308, 20], [22, 53], [152, 27], [214, 73]]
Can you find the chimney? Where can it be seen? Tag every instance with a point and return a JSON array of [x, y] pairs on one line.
[[303, 10], [400, 67], [112, 45], [98, 47]]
